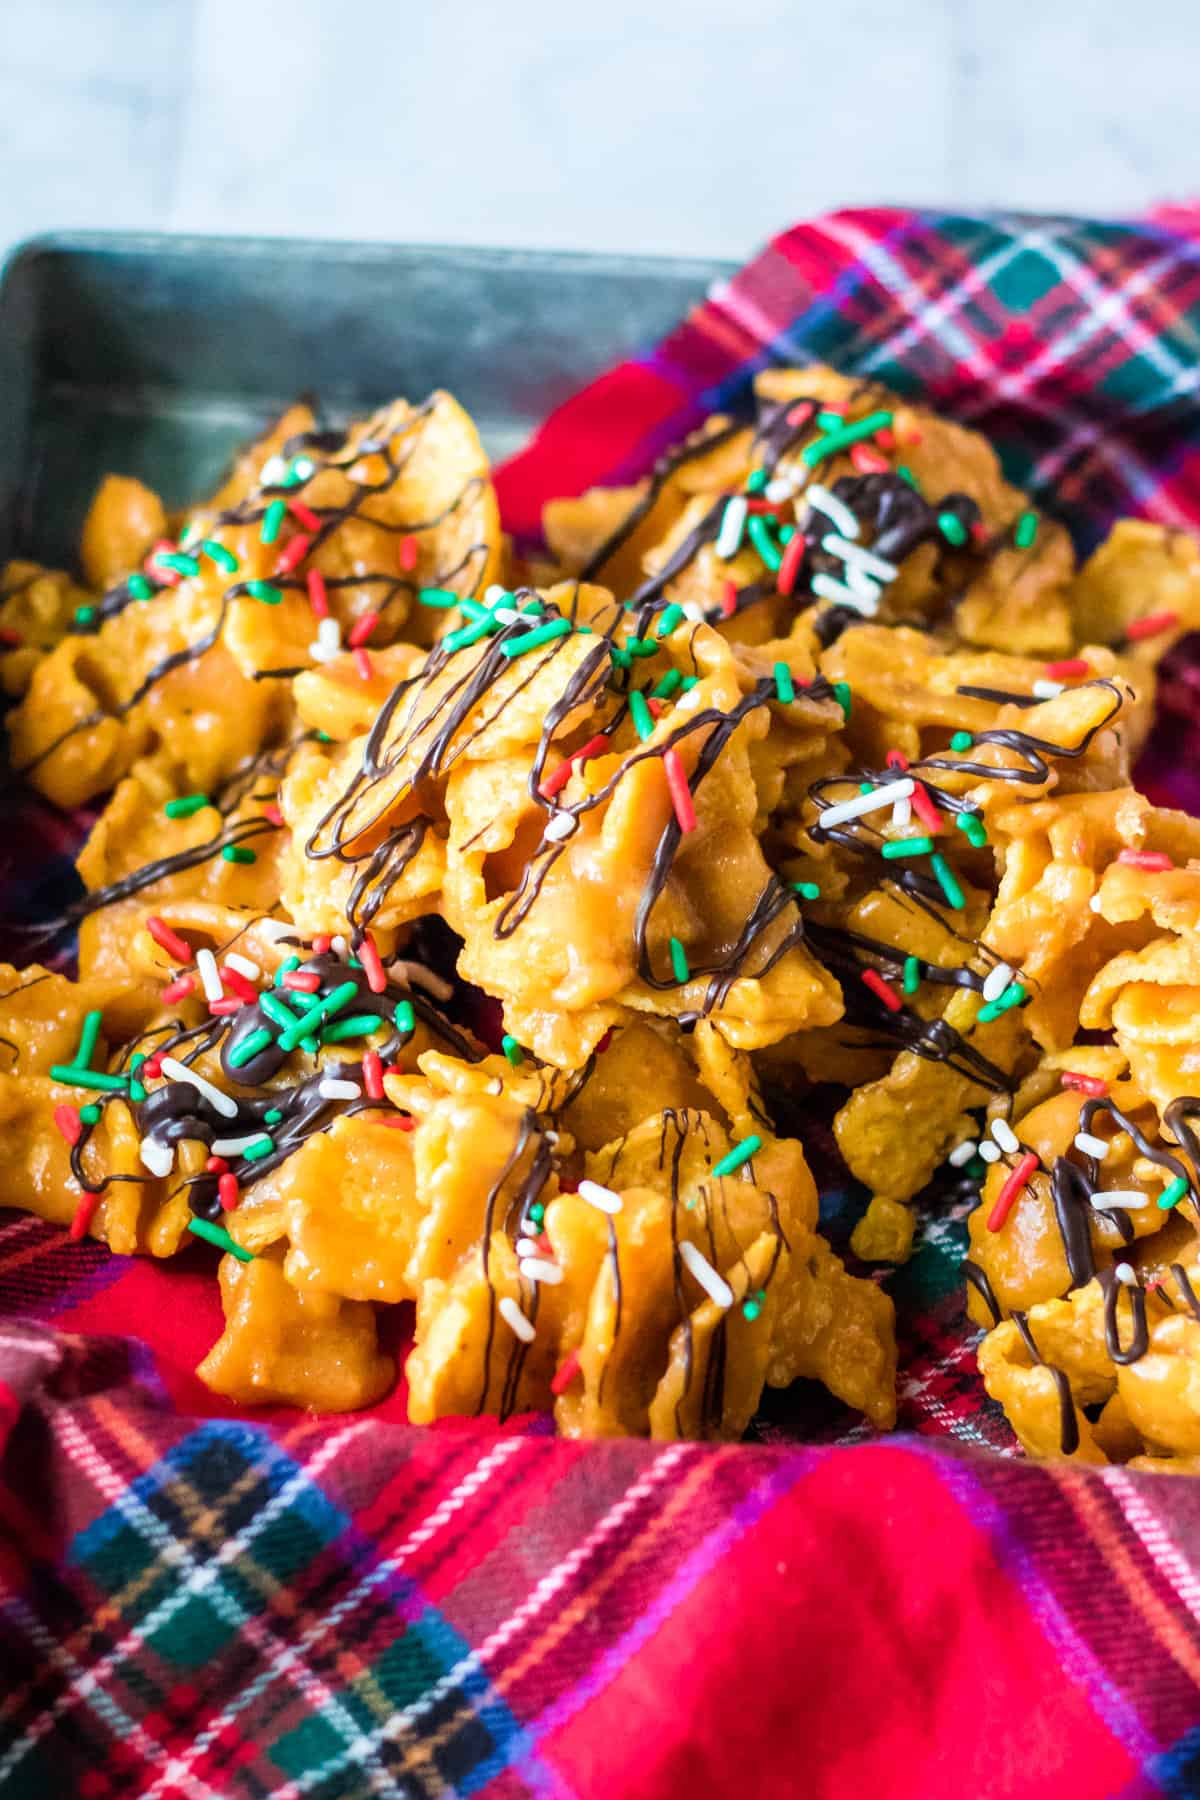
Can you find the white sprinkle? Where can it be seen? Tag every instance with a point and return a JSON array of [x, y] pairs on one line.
[[780, 487], [867, 803], [962, 1153], [1095, 903], [235, 1146], [601, 1197], [272, 471], [562, 825], [243, 965], [1128, 1199], [865, 586], [1125, 1274], [693, 610], [714, 1285], [210, 980], [859, 556], [320, 654], [276, 930], [339, 1090], [997, 981], [339, 946], [302, 468], [733, 523], [826, 588], [536, 1268], [989, 1152], [158, 1158], [513, 1317], [1005, 1136], [527, 1247], [417, 975], [329, 634], [833, 508], [494, 593], [902, 815], [1048, 690], [1091, 1146], [507, 615], [177, 1071]]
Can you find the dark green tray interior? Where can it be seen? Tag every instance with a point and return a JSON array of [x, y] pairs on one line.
[[157, 356]]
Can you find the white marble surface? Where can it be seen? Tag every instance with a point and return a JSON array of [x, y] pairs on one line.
[[689, 125]]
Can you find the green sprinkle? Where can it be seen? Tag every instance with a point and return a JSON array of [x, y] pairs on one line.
[[88, 1039], [841, 693], [238, 853], [293, 962], [639, 712], [689, 682], [843, 437], [741, 1153], [913, 846], [90, 1115], [533, 640], [671, 616], [784, 690], [217, 1234], [537, 1212], [266, 591], [512, 1050], [666, 686], [249, 1048], [679, 961], [962, 740], [85, 615], [1027, 529], [272, 519], [317, 1013], [324, 737], [952, 528], [404, 1017], [1167, 1199], [70, 1076], [474, 609], [443, 597], [261, 1147], [807, 890], [186, 806], [136, 1090], [831, 421], [468, 634], [140, 588], [947, 883], [273, 1117], [361, 1025], [972, 825], [177, 560], [866, 787], [280, 1013], [1012, 996], [621, 657], [912, 974], [786, 533], [976, 1168], [756, 481], [906, 474], [224, 559], [760, 536], [750, 1310], [641, 647]]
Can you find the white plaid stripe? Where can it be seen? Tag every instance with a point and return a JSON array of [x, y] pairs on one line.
[[292, 1655], [1160, 1546]]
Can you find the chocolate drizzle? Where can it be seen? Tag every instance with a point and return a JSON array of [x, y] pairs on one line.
[[1068, 1426]]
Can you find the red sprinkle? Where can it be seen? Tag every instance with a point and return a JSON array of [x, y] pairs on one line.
[[372, 1070], [654, 707], [1146, 859], [362, 662], [239, 983], [171, 577], [801, 412], [227, 1192], [305, 515], [368, 956], [294, 554], [1006, 1198], [69, 1123], [882, 991], [216, 1165], [223, 1009], [1150, 626], [558, 778], [1068, 667], [179, 989], [605, 1041], [408, 552], [681, 793], [83, 1216], [868, 460], [176, 947], [302, 981], [896, 759], [321, 943], [363, 629], [924, 808], [317, 597], [885, 437], [729, 594], [565, 1374], [789, 568], [402, 1122], [151, 1069], [273, 815], [1084, 1084]]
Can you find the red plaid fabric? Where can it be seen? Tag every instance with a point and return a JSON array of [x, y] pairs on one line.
[[199, 1606]]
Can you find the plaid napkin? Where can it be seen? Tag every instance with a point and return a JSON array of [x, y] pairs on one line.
[[195, 1606]]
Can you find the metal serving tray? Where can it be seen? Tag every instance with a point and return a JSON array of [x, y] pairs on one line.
[[157, 355]]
